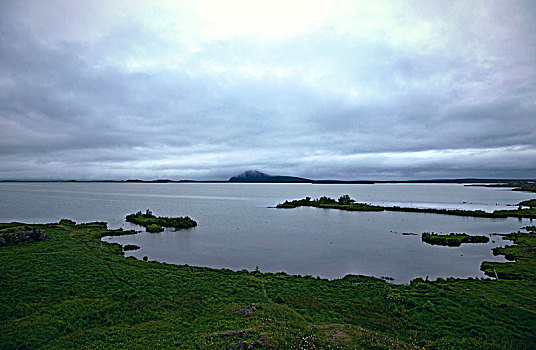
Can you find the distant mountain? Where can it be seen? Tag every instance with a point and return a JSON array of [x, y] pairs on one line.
[[257, 176]]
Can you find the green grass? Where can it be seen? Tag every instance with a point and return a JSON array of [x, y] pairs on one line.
[[69, 291], [453, 239], [330, 203], [157, 222], [154, 228]]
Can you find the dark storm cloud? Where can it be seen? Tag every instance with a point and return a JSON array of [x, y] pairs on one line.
[[337, 101]]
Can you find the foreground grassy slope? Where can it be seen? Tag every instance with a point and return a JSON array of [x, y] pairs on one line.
[[69, 291]]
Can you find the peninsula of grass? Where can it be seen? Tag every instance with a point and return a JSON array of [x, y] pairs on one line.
[[453, 239], [529, 203], [521, 254], [346, 203], [518, 185], [154, 223], [70, 291]]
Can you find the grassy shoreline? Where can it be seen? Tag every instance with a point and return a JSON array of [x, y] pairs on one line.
[[72, 291]]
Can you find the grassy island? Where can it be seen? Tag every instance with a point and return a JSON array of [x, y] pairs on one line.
[[72, 291], [154, 223], [453, 239], [346, 203]]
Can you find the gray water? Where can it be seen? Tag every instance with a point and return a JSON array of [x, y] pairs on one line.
[[237, 229]]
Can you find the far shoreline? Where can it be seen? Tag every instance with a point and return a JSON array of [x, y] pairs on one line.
[[522, 185]]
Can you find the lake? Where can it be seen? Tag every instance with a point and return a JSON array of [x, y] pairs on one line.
[[238, 228]]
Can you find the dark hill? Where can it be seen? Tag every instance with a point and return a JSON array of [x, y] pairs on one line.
[[257, 176]]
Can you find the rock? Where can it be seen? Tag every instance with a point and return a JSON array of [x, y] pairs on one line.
[[248, 311], [20, 234]]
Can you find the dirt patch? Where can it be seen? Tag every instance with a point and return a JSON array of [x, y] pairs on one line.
[[335, 333]]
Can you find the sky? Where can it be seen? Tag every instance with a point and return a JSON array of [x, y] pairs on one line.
[[113, 89]]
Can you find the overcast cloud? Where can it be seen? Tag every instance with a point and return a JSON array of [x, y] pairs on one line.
[[207, 89]]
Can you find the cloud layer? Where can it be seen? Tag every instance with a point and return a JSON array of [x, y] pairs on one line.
[[204, 90]]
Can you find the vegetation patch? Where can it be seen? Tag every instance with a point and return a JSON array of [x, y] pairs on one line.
[[531, 229], [146, 219], [128, 247], [154, 228], [453, 239]]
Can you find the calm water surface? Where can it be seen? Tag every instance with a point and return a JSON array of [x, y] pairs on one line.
[[237, 229]]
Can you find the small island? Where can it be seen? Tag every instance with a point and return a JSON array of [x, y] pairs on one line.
[[343, 203], [129, 247], [453, 239], [154, 223]]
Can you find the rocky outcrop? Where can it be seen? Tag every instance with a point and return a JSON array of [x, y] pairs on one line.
[[245, 345], [15, 235]]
